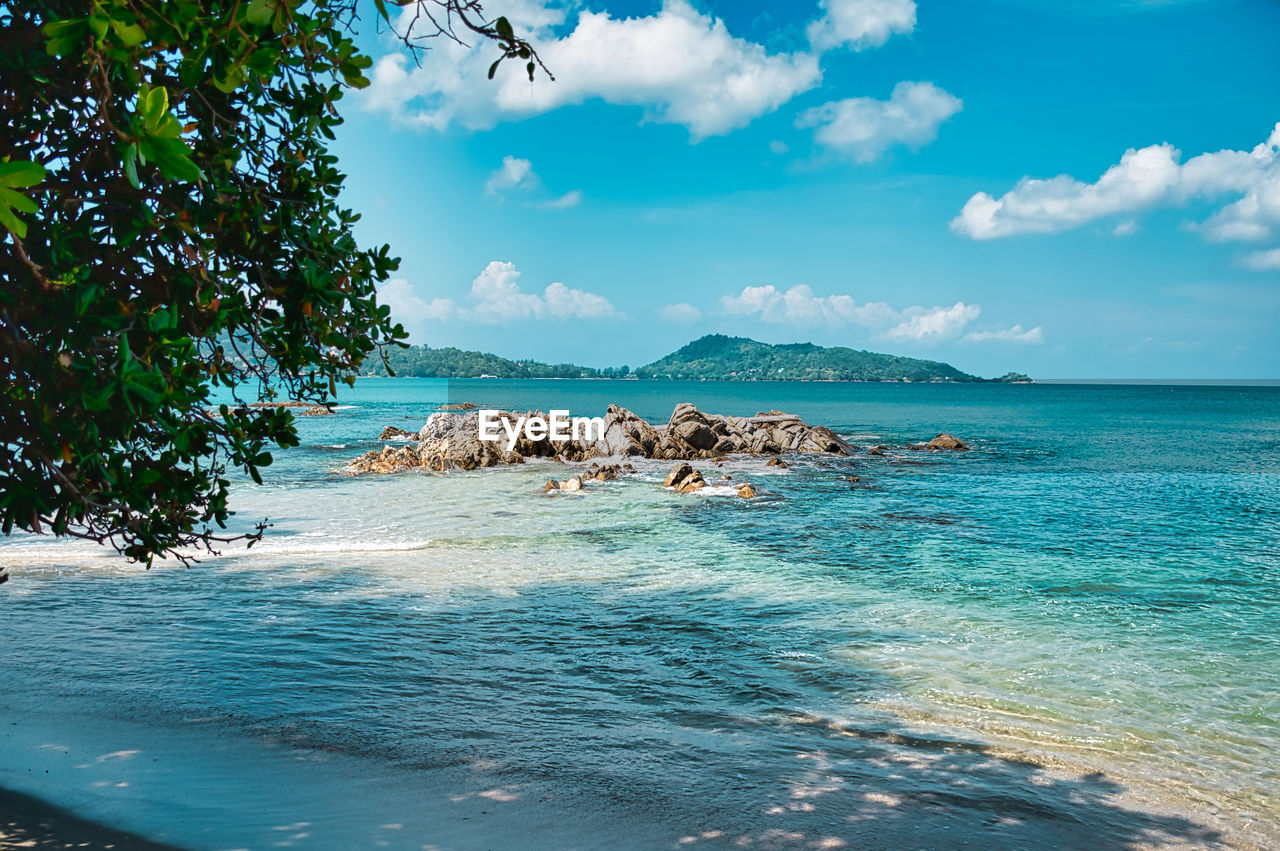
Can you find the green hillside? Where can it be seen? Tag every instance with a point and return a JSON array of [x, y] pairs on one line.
[[738, 358], [714, 357]]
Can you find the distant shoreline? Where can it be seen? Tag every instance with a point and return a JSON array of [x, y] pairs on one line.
[[1154, 382]]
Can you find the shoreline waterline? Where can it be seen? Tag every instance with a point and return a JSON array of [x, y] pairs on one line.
[[1063, 631]]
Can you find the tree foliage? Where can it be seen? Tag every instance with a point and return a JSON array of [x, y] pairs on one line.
[[171, 221]]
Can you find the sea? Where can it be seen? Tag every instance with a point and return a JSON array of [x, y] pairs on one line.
[[1068, 636]]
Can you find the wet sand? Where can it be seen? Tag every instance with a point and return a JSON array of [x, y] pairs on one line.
[[27, 822]]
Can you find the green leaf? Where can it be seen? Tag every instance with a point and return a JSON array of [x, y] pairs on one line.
[[503, 26], [12, 222], [260, 12], [130, 35], [21, 173], [17, 201], [98, 24], [493, 69], [154, 105], [131, 165]]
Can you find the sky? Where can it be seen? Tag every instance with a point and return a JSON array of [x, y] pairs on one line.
[[1085, 189]]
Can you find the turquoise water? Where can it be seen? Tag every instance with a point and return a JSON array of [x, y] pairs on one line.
[[1069, 634]]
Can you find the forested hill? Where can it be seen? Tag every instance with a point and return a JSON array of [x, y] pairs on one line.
[[426, 362], [738, 358], [712, 357]]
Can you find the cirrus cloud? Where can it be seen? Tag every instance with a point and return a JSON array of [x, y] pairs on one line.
[[680, 312]]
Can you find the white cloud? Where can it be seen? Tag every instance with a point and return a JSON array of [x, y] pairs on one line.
[[778, 146], [564, 202], [410, 309], [1016, 334], [799, 306], [864, 128], [1126, 228], [1263, 261], [681, 66], [933, 323], [860, 24], [565, 303], [498, 299], [515, 173], [680, 312], [1143, 179]]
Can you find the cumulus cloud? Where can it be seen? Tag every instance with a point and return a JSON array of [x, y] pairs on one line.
[[933, 323], [1016, 334], [860, 24], [410, 309], [680, 312], [800, 306], [1144, 178], [496, 299], [864, 128], [514, 173], [1263, 261], [680, 65]]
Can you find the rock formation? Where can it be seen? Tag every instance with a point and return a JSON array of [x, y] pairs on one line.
[[452, 440], [946, 441]]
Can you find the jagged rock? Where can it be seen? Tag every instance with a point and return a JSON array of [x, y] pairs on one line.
[[625, 433], [777, 462], [685, 479], [677, 474], [393, 433], [607, 473], [746, 491], [946, 441], [317, 411], [573, 483], [693, 483], [877, 450], [451, 440]]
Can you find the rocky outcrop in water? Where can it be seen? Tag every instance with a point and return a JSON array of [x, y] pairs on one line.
[[452, 440], [946, 441]]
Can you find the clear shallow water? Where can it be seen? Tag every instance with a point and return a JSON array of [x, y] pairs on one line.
[[954, 643]]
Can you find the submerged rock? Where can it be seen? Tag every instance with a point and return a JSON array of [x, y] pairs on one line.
[[393, 433], [459, 406]]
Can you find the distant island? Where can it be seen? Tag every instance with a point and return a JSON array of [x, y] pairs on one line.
[[714, 357]]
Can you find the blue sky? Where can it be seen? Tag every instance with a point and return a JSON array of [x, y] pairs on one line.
[[1069, 190]]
